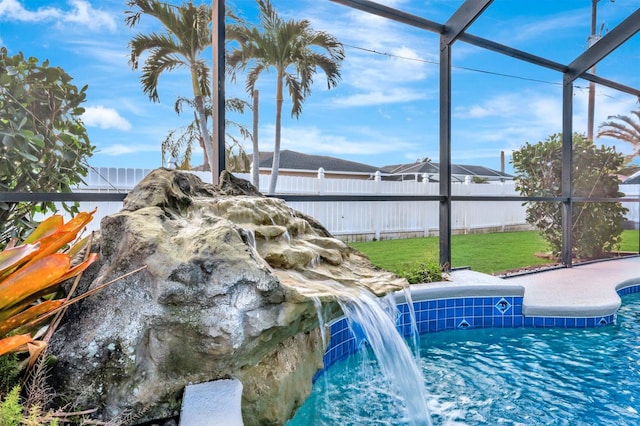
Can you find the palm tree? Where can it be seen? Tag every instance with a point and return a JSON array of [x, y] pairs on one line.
[[179, 142], [186, 35], [283, 45], [626, 129]]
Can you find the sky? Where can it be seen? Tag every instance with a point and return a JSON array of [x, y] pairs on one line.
[[384, 109]]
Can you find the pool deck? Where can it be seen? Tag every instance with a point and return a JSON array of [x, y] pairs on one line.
[[587, 290]]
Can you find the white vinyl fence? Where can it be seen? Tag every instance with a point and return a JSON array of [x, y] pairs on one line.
[[361, 221]]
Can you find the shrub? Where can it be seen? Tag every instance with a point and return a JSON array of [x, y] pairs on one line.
[[43, 143], [422, 272], [597, 226]]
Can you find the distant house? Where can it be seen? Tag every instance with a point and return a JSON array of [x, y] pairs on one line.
[[294, 163], [459, 172]]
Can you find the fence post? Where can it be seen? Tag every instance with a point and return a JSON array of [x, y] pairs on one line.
[[376, 207], [320, 180]]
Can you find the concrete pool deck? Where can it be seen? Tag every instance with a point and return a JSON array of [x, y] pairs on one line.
[[586, 290]]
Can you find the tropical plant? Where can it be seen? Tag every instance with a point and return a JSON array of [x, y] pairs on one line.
[[283, 45], [43, 144], [179, 142], [597, 226], [185, 37], [426, 271], [627, 129], [14, 413], [30, 276]]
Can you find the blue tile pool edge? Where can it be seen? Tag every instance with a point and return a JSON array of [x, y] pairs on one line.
[[433, 315]]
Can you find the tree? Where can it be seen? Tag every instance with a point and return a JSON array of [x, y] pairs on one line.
[[597, 226], [186, 35], [44, 145], [626, 129], [179, 142], [283, 45]]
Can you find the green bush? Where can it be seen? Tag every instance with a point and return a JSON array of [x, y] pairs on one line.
[[10, 408], [597, 226], [10, 370], [422, 272], [43, 142]]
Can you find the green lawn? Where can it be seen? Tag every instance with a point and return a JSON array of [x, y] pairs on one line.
[[489, 253]]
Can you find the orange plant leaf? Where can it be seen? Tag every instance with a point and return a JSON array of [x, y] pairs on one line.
[[52, 243], [28, 315], [65, 234], [14, 343], [79, 221], [33, 278], [77, 269], [9, 258], [46, 228]]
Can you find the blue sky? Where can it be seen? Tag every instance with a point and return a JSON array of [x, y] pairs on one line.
[[384, 110]]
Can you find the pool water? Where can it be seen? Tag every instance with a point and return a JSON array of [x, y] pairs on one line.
[[511, 376]]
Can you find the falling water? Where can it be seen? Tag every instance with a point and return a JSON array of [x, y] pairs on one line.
[[414, 327], [394, 357], [323, 333], [250, 238]]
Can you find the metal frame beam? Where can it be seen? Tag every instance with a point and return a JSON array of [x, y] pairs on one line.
[[445, 154], [425, 24], [567, 171], [462, 18], [611, 84], [454, 30], [607, 44], [393, 14], [217, 92]]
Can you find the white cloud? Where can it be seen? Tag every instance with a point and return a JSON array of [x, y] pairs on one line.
[[121, 149], [528, 30], [105, 118], [13, 10], [84, 14], [81, 13], [376, 97], [383, 57], [312, 140]]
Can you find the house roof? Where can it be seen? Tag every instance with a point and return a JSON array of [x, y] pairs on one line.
[[293, 160], [634, 179], [434, 168]]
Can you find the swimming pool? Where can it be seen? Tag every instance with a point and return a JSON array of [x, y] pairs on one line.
[[512, 376]]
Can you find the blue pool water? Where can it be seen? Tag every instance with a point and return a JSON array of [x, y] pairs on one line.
[[510, 376]]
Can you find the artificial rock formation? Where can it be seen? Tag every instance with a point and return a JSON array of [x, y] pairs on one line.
[[226, 293]]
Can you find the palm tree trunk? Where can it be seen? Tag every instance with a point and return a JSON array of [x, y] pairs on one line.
[[276, 149], [256, 151], [202, 121], [206, 138]]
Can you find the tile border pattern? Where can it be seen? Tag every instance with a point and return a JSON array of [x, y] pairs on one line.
[[459, 313]]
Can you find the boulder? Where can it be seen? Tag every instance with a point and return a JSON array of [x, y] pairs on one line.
[[227, 292]]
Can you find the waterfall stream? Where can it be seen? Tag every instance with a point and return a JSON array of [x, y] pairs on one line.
[[366, 314]]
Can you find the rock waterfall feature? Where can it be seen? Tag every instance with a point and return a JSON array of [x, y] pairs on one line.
[[227, 293]]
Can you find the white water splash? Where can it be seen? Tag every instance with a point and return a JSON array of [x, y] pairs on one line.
[[415, 335], [394, 357]]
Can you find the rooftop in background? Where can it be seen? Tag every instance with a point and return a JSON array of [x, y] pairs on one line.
[[634, 179], [297, 163], [458, 171]]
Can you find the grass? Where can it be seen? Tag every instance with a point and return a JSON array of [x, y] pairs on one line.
[[488, 253]]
